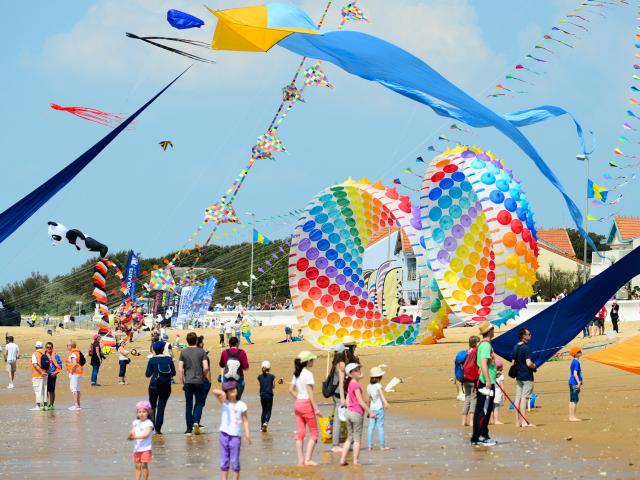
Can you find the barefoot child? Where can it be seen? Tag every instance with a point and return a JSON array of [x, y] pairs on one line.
[[575, 383], [141, 433], [355, 413], [305, 407], [377, 404], [234, 414], [267, 385], [499, 396]]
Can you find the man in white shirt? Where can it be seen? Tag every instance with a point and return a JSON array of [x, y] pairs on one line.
[[11, 354]]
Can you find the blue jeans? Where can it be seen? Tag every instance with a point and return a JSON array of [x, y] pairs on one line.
[[379, 421], [193, 410], [247, 337], [94, 374], [585, 331]]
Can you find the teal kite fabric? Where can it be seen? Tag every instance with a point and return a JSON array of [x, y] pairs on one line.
[[374, 59], [19, 212], [556, 326]]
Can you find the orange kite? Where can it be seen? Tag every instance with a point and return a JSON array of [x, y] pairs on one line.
[[624, 355]]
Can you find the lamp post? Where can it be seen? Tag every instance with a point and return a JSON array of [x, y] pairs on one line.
[[252, 215], [584, 158]]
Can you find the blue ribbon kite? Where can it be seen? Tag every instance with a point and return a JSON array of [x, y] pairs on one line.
[[374, 59]]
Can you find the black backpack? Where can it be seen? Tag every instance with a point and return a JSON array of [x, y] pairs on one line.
[[330, 384], [45, 362], [83, 360]]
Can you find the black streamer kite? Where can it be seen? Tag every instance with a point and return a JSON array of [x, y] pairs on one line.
[[175, 50]]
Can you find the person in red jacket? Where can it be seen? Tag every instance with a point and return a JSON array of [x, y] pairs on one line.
[[233, 362]]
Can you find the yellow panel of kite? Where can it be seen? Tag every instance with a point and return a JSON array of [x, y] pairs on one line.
[[246, 29]]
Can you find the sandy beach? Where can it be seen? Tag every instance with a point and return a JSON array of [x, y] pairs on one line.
[[422, 423]]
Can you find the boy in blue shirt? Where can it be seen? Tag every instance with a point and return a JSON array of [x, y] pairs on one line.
[[575, 383]]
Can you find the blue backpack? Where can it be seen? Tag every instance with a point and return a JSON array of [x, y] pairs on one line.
[[458, 371]]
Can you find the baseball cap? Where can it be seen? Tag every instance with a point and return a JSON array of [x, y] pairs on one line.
[[266, 364], [351, 367], [38, 344]]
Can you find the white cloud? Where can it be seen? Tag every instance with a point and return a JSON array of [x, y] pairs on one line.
[[445, 33]]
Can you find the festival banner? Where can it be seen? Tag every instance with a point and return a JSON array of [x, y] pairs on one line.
[[131, 275], [205, 299], [186, 297]]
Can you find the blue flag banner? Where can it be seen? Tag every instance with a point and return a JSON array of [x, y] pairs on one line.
[[131, 275], [556, 326]]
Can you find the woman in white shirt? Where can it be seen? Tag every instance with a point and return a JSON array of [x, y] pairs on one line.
[[305, 406]]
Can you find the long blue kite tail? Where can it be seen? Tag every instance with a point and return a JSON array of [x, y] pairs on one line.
[[557, 325], [19, 212], [374, 59]]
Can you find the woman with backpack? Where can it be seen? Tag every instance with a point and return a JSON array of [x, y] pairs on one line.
[[160, 371], [470, 374]]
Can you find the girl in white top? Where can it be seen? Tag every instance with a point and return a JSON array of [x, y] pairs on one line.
[[141, 434], [498, 397], [377, 404], [234, 416], [305, 407]]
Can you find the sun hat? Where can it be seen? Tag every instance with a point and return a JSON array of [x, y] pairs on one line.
[[351, 367], [96, 336], [305, 356], [499, 364], [574, 351], [229, 385], [348, 340], [376, 372], [38, 344], [339, 348], [485, 327], [266, 364], [144, 404]]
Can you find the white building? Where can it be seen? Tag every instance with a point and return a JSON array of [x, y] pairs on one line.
[[624, 236]]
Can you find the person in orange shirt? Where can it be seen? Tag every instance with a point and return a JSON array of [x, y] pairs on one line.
[[54, 369], [39, 369], [74, 368]]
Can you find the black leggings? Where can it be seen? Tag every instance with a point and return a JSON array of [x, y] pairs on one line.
[[158, 397], [267, 405]]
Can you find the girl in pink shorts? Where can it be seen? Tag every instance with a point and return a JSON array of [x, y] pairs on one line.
[[141, 433], [305, 407]]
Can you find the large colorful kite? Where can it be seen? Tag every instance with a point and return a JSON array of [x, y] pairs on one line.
[[60, 234], [91, 114]]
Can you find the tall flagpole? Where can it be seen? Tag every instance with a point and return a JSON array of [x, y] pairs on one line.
[[253, 233]]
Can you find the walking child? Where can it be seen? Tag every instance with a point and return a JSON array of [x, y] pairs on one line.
[[499, 396], [355, 413], [575, 383], [234, 415], [141, 433], [377, 404], [267, 383]]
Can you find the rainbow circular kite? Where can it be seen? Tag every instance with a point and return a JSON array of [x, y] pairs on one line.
[[327, 284], [480, 235]]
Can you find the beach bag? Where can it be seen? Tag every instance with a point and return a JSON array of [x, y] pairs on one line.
[[513, 369], [330, 384], [232, 368], [461, 356], [325, 425], [470, 369]]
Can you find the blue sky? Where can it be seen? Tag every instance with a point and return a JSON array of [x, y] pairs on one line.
[[134, 195]]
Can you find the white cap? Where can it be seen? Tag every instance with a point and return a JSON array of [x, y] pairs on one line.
[[266, 364], [351, 367], [38, 344]]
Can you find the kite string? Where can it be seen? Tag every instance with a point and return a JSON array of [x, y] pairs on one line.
[[230, 194]]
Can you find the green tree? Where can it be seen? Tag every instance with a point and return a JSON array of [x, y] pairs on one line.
[[577, 241]]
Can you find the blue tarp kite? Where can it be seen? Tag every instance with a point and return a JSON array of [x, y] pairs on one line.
[[182, 20], [556, 326], [19, 212]]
